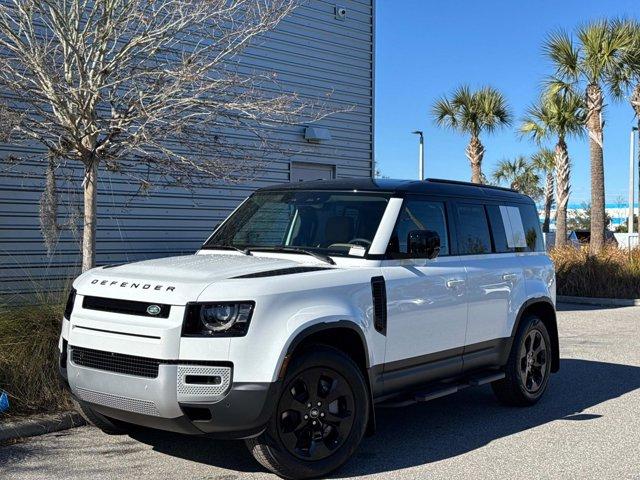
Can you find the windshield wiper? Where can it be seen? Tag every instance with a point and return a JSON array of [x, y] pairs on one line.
[[244, 251], [319, 256]]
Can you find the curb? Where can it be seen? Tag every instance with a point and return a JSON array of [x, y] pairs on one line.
[[609, 302], [39, 425]]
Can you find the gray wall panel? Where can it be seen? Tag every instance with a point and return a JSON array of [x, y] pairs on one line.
[[312, 52]]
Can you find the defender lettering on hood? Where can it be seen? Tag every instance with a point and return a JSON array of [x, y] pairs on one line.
[[143, 286]]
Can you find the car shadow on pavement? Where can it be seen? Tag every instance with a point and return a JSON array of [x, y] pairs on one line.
[[444, 428]]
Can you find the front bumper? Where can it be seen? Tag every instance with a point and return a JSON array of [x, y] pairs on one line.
[[227, 410]]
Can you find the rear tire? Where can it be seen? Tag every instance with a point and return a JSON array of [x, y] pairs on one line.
[[320, 418], [529, 366], [108, 425]]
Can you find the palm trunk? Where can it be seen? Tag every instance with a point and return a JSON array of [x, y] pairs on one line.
[[475, 152], [595, 102], [563, 187], [90, 212], [548, 201]]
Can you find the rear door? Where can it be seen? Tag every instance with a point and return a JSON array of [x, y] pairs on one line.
[[426, 301], [496, 287]]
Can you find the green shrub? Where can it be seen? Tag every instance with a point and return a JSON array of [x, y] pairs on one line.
[[614, 273], [29, 356]]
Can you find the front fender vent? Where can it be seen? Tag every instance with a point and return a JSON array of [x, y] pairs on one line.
[[379, 294]]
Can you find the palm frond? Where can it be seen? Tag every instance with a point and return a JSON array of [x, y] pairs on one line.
[[544, 159], [471, 111], [445, 114], [564, 54]]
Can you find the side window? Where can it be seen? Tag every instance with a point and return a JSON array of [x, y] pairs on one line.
[[498, 231], [473, 229], [532, 231], [419, 215]]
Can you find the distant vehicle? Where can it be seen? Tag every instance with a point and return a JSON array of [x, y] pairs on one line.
[[550, 239], [584, 237], [310, 304]]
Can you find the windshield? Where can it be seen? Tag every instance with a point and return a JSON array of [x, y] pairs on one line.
[[335, 223]]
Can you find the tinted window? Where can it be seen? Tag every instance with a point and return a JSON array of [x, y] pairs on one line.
[[532, 231], [498, 231], [473, 229], [419, 215]]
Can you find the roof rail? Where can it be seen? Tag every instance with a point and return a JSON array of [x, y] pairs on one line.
[[470, 184]]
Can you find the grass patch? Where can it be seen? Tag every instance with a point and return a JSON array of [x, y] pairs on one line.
[[29, 356], [614, 273]]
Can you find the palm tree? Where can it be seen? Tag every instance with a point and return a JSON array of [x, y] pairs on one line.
[[472, 113], [545, 161], [558, 114], [594, 62], [519, 174]]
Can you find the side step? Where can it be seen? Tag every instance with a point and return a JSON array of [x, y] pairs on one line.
[[477, 381], [441, 390]]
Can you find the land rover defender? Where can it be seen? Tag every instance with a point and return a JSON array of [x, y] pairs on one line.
[[311, 304]]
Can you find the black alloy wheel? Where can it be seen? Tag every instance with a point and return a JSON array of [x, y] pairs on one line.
[[320, 417], [533, 361], [315, 414], [528, 367]]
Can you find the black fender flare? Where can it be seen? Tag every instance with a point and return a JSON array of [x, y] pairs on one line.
[[536, 304]]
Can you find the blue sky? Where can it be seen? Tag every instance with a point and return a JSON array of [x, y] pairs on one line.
[[425, 49]]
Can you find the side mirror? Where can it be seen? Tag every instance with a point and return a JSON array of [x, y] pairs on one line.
[[423, 244]]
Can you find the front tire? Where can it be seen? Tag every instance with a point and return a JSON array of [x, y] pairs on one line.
[[529, 366], [320, 418]]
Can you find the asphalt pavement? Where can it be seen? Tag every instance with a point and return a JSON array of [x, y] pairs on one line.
[[587, 426]]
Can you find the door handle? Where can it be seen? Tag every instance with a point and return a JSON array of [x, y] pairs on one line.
[[454, 283], [510, 277]]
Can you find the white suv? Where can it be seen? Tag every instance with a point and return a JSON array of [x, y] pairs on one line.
[[309, 305]]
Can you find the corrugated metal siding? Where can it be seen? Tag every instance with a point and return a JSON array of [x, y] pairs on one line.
[[312, 52]]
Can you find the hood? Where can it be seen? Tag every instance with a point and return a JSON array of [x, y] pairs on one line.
[[172, 280]]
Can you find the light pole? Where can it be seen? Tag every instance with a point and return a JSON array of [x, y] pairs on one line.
[[420, 154], [634, 130], [631, 179]]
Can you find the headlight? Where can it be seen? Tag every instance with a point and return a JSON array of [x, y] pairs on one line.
[[220, 319], [70, 301]]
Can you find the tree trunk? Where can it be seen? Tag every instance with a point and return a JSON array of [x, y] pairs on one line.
[[563, 187], [595, 100], [548, 201], [475, 152], [90, 207]]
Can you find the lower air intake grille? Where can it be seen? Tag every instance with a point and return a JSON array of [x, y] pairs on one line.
[[121, 403], [115, 362]]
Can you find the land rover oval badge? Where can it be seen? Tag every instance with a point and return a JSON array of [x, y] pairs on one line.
[[153, 309]]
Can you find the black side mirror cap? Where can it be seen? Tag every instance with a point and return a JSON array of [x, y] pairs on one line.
[[423, 244]]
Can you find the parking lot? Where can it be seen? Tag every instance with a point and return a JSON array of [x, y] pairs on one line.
[[587, 426]]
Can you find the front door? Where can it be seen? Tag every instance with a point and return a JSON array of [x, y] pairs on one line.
[[426, 302]]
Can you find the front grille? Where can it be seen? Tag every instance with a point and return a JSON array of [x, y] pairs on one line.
[[115, 362], [127, 307]]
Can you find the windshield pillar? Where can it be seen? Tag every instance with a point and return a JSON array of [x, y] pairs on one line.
[[385, 229]]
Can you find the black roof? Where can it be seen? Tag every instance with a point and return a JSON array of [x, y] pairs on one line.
[[431, 186]]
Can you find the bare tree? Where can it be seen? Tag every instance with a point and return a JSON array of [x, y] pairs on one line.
[[144, 88]]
